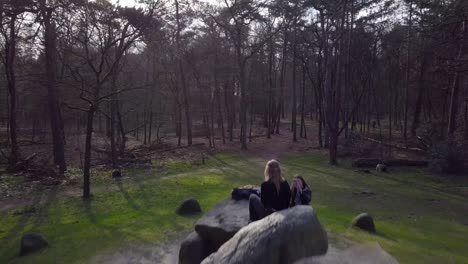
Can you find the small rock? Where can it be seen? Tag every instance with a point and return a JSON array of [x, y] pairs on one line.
[[116, 174], [367, 192], [365, 222], [381, 167], [32, 242], [188, 207]]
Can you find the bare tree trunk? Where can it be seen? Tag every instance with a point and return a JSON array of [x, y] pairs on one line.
[[87, 158], [145, 120], [10, 55], [408, 60], [150, 125], [220, 113], [228, 101], [112, 129], [270, 87], [185, 91], [137, 130], [121, 127], [466, 113], [293, 72], [179, 124], [212, 132], [418, 106], [34, 128], [188, 115], [444, 114], [334, 95], [241, 63], [303, 127], [457, 79], [282, 81], [54, 108]]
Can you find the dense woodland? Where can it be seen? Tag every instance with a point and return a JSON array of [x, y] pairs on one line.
[[390, 70]]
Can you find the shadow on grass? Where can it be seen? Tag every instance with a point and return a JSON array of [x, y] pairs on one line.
[[143, 190], [113, 231], [126, 195], [220, 164], [35, 212], [384, 236]]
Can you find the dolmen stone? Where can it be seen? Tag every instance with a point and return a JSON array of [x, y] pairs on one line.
[[223, 221], [365, 222], [280, 238], [31, 243], [192, 250], [213, 229], [189, 206]]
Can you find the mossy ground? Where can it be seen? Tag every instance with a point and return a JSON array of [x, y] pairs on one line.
[[419, 217]]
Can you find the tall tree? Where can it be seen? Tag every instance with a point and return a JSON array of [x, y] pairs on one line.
[[46, 11], [102, 34]]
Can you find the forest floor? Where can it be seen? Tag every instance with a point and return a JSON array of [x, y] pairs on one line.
[[420, 217]]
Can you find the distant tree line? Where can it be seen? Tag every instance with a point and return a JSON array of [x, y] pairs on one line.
[[221, 70]]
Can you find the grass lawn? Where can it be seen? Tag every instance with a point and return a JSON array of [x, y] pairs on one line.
[[419, 218]]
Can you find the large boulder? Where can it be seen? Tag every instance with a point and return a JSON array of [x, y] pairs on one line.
[[194, 249], [32, 242], [223, 221], [188, 207], [365, 222], [282, 237]]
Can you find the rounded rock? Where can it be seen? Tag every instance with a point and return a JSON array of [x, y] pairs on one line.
[[31, 243], [365, 222], [188, 207]]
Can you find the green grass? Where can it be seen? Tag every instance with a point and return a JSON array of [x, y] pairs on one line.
[[419, 218]]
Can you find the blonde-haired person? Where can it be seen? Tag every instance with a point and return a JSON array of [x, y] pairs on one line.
[[275, 193]]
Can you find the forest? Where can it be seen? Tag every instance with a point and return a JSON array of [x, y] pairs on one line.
[[92, 88]]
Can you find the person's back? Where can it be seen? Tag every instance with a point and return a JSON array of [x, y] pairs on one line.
[[272, 198]]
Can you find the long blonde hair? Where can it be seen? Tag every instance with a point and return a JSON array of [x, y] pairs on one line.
[[268, 167]]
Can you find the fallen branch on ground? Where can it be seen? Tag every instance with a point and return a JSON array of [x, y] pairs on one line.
[[175, 148], [415, 150], [360, 163]]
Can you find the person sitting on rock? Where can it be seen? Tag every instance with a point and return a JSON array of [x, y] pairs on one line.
[[275, 193], [300, 192]]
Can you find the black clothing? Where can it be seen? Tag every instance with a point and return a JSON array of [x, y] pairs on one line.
[[244, 193], [301, 197], [256, 209], [272, 199]]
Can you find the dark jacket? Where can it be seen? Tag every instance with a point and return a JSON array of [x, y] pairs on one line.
[[302, 197], [271, 199]]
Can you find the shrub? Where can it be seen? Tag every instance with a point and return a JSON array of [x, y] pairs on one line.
[[355, 145], [448, 156]]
